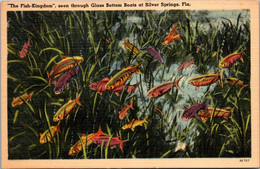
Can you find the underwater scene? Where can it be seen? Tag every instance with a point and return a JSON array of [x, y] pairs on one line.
[[128, 84]]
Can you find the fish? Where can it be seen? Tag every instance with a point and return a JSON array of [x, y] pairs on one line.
[[160, 89], [192, 111], [85, 139], [220, 113], [160, 111], [25, 49], [232, 81], [66, 108], [206, 79], [186, 64], [171, 36], [47, 136], [19, 100], [100, 87], [134, 123], [63, 81], [65, 64], [156, 55], [229, 60], [78, 145], [122, 113], [91, 136], [113, 141], [117, 89], [176, 84], [132, 88], [122, 76], [129, 46]]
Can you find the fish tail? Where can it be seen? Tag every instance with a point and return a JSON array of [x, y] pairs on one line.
[[220, 77], [77, 99], [131, 104], [121, 144], [49, 77], [145, 119], [241, 55]]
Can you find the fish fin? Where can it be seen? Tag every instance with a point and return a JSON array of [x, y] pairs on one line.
[[178, 36], [30, 96], [203, 119], [131, 104], [133, 129], [220, 77], [77, 99], [49, 77], [100, 132], [64, 57], [99, 129], [105, 79], [40, 134], [117, 137], [197, 87], [117, 93], [121, 144], [57, 127], [138, 71]]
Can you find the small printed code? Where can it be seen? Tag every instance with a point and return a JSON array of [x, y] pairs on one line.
[[244, 160]]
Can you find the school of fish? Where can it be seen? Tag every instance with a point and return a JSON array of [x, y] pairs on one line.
[[68, 68]]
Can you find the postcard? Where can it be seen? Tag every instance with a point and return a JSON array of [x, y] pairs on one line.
[[130, 84]]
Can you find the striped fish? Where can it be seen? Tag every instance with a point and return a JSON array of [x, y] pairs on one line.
[[64, 111], [121, 77], [220, 113], [65, 64], [206, 79], [160, 89], [230, 60], [129, 46]]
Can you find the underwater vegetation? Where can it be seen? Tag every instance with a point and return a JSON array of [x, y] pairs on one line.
[[128, 84]]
